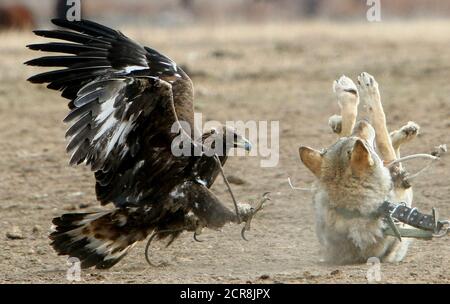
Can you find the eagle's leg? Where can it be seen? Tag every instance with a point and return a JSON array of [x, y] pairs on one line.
[[247, 213]]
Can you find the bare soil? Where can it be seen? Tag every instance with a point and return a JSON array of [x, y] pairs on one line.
[[277, 72]]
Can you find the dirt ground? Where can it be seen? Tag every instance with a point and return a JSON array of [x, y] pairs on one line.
[[280, 72]]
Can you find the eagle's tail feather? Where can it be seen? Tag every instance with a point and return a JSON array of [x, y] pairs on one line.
[[98, 239]]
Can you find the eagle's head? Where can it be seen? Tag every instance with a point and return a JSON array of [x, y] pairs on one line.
[[223, 138]]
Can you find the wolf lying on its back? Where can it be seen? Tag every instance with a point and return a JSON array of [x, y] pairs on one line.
[[353, 181]]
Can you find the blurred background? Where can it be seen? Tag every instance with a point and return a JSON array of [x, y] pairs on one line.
[[17, 13]]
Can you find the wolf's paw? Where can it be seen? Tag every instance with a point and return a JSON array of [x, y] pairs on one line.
[[405, 133], [335, 123], [368, 88], [345, 90]]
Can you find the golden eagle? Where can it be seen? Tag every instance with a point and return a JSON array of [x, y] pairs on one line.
[[124, 100]]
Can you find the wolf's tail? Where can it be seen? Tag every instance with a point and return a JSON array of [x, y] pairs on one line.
[[99, 239]]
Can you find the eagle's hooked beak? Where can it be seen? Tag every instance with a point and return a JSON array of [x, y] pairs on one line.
[[243, 143]]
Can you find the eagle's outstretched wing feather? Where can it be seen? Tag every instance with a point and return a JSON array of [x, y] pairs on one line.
[[97, 50], [122, 108]]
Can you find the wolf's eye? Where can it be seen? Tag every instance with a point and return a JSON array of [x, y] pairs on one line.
[[349, 154]]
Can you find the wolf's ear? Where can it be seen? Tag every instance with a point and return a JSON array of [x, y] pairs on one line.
[[364, 130], [311, 158], [361, 159]]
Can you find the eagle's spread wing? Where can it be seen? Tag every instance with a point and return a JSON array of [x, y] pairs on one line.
[[122, 108], [94, 50]]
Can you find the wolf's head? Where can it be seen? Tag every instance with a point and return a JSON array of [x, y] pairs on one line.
[[350, 171]]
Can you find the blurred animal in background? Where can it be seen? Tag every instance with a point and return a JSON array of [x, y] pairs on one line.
[[124, 101], [16, 17]]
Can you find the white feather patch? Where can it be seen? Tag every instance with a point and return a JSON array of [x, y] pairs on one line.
[[132, 68], [119, 136]]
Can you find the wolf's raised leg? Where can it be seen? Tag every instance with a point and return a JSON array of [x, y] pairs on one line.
[[368, 88], [370, 94], [348, 100], [404, 135]]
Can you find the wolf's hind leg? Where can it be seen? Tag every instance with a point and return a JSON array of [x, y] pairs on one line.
[[368, 88], [370, 94], [348, 100], [404, 135]]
